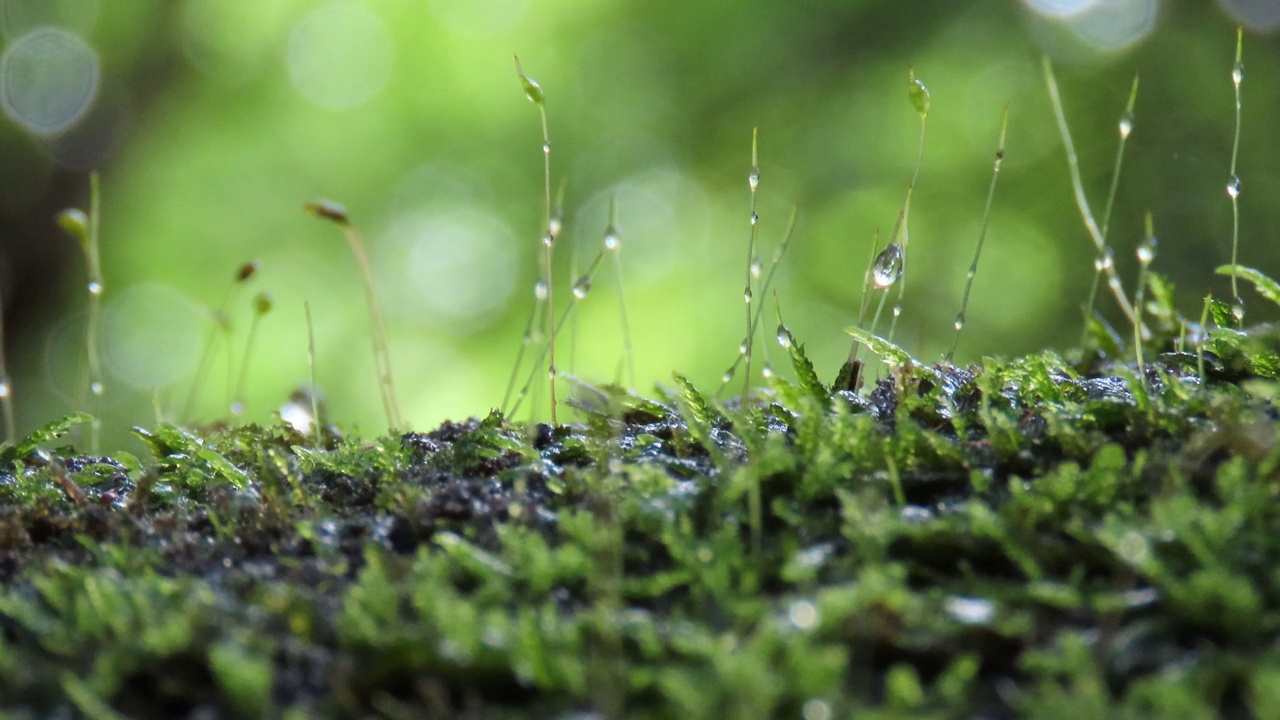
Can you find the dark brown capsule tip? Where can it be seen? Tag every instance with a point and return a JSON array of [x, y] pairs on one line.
[[327, 209], [262, 303], [247, 271]]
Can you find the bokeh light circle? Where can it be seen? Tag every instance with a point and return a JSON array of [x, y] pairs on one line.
[[1257, 15], [48, 79], [150, 336], [453, 268], [478, 17], [1102, 25], [340, 55]]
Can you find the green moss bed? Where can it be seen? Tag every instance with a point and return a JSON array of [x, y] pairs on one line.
[[1044, 536]]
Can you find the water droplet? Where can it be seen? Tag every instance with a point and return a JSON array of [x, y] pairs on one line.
[[6, 387], [1233, 187], [724, 379], [746, 295], [784, 336], [237, 407], [532, 89], [767, 370], [1237, 73], [1237, 309], [95, 286], [75, 223], [959, 322], [1126, 125], [555, 226], [540, 290], [546, 148], [755, 218], [756, 267], [816, 710], [1103, 261], [753, 178], [1146, 250], [96, 388], [582, 287], [742, 348], [612, 239], [887, 267], [803, 614], [548, 240], [919, 95], [970, 610]]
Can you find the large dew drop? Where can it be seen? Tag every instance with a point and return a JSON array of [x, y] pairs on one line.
[[887, 267], [919, 95], [784, 336], [1126, 125]]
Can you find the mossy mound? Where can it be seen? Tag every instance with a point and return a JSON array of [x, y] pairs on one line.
[[1017, 538]]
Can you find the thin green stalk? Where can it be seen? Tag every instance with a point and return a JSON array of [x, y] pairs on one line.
[[533, 91], [1146, 254], [261, 306], [753, 268], [311, 369], [84, 228], [1233, 182], [982, 234], [764, 287], [221, 327], [613, 244], [381, 352], [918, 94], [6, 390], [581, 287], [1125, 127], [1203, 335], [1077, 187]]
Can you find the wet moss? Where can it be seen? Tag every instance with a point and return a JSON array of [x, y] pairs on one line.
[[1008, 539]]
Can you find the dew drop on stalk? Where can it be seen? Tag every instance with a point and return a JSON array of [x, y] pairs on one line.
[[1146, 250], [1126, 125], [1237, 309], [554, 227], [1237, 73], [918, 94], [959, 324], [1233, 187], [540, 290], [237, 407], [753, 178], [756, 267], [784, 336], [1104, 261], [548, 240], [767, 370], [582, 287], [887, 267], [96, 388], [746, 295], [755, 218], [6, 387], [612, 239], [546, 148], [95, 286], [728, 376], [742, 348]]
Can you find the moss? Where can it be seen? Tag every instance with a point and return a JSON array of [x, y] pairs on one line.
[[1023, 537]]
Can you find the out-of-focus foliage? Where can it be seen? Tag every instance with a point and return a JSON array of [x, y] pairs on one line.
[[213, 121]]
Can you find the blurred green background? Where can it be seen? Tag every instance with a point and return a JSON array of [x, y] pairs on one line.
[[213, 121]]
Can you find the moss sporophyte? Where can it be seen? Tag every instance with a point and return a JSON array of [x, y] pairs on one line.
[[1091, 533]]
